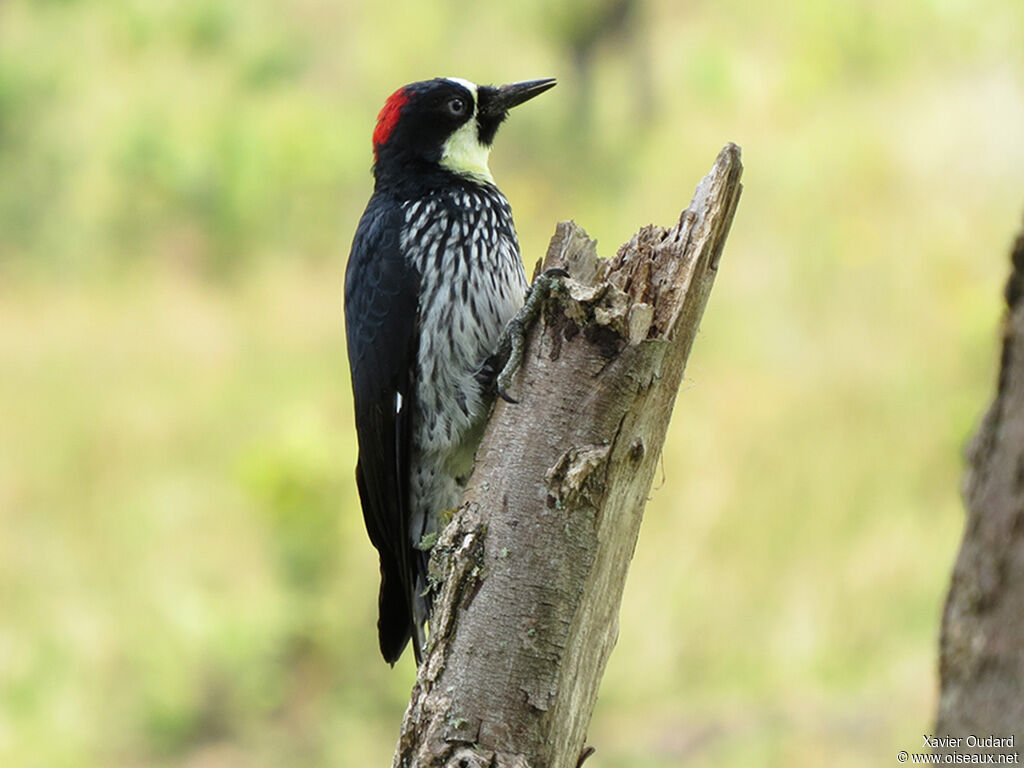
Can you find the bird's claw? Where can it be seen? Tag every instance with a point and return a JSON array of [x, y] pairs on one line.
[[504, 395], [554, 272], [513, 341]]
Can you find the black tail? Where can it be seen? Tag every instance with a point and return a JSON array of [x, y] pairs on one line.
[[394, 624]]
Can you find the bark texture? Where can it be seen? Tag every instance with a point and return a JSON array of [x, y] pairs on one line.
[[982, 643], [533, 564]]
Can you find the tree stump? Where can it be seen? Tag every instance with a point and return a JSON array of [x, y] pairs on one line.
[[533, 564]]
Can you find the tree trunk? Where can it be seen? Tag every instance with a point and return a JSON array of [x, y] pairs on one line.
[[982, 644], [534, 562]]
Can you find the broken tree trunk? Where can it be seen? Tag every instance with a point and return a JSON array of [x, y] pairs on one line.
[[981, 655], [534, 562]]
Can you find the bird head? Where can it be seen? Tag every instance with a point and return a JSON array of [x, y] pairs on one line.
[[447, 123]]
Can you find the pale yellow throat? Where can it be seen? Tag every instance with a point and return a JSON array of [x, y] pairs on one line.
[[463, 153]]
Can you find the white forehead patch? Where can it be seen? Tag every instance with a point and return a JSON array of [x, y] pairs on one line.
[[471, 87]]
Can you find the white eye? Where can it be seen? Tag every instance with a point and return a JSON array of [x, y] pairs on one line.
[[457, 106]]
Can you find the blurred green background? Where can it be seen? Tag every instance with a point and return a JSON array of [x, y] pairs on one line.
[[184, 577]]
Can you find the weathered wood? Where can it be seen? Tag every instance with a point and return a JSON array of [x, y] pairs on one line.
[[534, 562], [982, 644]]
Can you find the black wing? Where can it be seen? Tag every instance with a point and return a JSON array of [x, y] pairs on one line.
[[381, 324]]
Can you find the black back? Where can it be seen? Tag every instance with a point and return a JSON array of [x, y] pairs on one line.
[[380, 318]]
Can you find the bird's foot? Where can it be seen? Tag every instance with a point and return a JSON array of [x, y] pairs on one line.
[[584, 754], [513, 341]]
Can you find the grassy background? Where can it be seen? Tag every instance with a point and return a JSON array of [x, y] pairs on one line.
[[184, 578]]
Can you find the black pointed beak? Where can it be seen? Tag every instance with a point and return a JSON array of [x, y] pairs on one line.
[[503, 97]]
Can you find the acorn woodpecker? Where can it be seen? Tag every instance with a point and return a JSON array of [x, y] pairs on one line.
[[433, 279]]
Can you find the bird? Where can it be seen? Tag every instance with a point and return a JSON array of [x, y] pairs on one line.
[[433, 278]]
